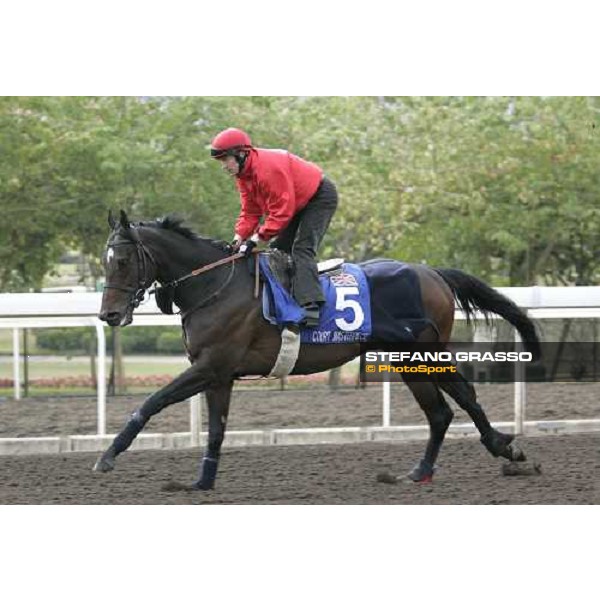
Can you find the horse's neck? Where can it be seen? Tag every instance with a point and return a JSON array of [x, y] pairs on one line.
[[175, 255]]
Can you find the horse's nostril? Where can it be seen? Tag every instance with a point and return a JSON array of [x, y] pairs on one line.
[[110, 317]]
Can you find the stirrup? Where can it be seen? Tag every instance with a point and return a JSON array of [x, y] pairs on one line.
[[312, 313]]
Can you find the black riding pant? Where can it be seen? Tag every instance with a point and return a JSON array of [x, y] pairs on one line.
[[302, 238]]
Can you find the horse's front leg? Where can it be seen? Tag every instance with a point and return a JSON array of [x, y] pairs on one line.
[[190, 382], [217, 399]]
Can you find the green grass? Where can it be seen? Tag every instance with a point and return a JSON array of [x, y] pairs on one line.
[[45, 392], [57, 367], [6, 341], [72, 368], [62, 367]]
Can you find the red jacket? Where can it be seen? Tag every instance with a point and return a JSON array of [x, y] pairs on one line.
[[277, 184]]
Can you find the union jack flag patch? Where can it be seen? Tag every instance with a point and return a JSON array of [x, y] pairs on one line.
[[343, 279]]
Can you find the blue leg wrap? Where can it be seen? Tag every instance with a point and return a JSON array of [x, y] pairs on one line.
[[208, 474]]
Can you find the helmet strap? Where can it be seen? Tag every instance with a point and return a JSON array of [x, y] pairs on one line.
[[240, 158]]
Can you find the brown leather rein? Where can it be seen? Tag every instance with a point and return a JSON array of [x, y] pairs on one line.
[[204, 269], [209, 267]]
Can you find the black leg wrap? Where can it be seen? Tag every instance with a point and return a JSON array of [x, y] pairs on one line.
[[422, 470], [208, 474], [134, 425]]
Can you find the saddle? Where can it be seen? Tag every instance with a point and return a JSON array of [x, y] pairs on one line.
[[282, 266]]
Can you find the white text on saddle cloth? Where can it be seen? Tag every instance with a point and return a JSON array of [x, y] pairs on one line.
[[346, 315]]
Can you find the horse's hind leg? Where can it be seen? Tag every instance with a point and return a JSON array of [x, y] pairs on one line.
[[439, 415], [496, 442], [218, 400]]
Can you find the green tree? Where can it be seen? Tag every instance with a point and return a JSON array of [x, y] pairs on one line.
[[505, 188]]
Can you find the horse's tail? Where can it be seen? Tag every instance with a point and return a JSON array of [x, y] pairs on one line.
[[473, 294]]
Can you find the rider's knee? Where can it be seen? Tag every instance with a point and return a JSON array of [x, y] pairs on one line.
[[306, 253]]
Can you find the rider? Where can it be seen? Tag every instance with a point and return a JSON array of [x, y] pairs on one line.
[[296, 199]]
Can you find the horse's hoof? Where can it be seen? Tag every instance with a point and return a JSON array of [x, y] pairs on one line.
[[203, 486], [516, 454], [105, 463], [504, 445], [208, 474], [420, 479], [422, 473]]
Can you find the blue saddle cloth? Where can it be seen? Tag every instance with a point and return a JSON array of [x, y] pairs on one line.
[[378, 300], [396, 305], [345, 316]]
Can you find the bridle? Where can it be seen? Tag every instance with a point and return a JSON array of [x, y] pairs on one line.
[[136, 294], [143, 255]]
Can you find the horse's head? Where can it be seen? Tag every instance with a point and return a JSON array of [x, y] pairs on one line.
[[129, 272]]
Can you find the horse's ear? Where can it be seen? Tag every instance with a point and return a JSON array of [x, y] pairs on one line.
[[124, 219], [111, 219]]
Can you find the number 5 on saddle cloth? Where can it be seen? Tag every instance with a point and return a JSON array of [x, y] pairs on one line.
[[345, 317]]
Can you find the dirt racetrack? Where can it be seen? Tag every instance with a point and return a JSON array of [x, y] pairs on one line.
[[336, 474], [330, 474], [256, 408]]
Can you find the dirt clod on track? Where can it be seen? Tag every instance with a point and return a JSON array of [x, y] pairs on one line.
[[515, 468]]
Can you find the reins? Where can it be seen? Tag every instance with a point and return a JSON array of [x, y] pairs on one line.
[[204, 269], [215, 294], [137, 294]]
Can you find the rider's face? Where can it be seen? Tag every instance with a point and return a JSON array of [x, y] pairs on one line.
[[230, 165]]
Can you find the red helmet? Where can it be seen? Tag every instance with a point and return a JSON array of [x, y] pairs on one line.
[[229, 142]]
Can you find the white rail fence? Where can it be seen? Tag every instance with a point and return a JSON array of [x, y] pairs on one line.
[[33, 311]]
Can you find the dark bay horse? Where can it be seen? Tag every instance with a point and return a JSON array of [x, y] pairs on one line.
[[226, 336]]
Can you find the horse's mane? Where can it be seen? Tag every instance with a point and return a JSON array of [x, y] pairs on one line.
[[175, 223]]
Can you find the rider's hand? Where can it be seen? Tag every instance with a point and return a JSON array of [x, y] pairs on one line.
[[247, 246], [235, 244]]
